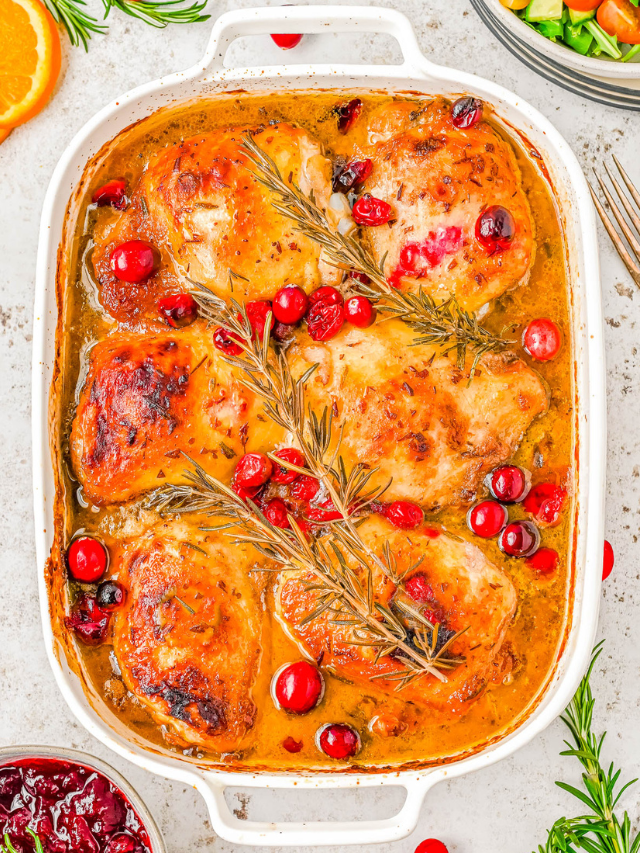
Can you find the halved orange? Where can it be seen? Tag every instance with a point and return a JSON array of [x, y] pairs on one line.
[[29, 59]]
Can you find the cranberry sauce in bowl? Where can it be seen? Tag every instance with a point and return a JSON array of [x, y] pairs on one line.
[[67, 801]]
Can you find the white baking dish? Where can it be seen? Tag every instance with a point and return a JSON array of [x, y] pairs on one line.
[[419, 75]]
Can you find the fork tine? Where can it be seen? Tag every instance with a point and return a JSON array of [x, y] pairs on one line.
[[633, 216], [622, 222], [634, 192], [634, 271]]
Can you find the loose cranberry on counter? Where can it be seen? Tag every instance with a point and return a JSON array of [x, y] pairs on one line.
[[348, 114], [545, 502], [495, 228], [542, 339], [257, 313], [519, 539], [110, 595], [431, 845], [287, 40], [359, 312], [179, 310], [545, 560], [305, 488], [508, 483], [113, 193], [298, 687], [135, 261], [404, 514], [369, 210], [290, 304], [254, 469], [337, 740], [292, 745], [487, 519], [88, 621], [608, 560], [418, 588], [285, 476], [465, 112], [276, 513], [325, 316], [226, 342], [351, 175], [87, 559]]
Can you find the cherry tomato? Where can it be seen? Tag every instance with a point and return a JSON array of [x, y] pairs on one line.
[[582, 5], [622, 19]]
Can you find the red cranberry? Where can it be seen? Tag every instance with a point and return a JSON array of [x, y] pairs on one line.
[[283, 475], [371, 211], [254, 469], [351, 175], [305, 488], [87, 621], [487, 519], [418, 588], [178, 310], [542, 339], [326, 293], [292, 745], [257, 312], [431, 845], [360, 276], [290, 304], [325, 319], [338, 740], [359, 312], [276, 513], [113, 193], [607, 563], [287, 40], [226, 342], [404, 514], [466, 112], [281, 332], [508, 483], [246, 494], [122, 843], [519, 539], [87, 559], [324, 513], [348, 113], [495, 228], [545, 560], [110, 595], [134, 261], [298, 687], [545, 502]]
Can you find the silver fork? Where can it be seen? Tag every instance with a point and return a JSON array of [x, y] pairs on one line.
[[627, 259]]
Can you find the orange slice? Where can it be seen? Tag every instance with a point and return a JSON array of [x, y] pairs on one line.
[[4, 132], [29, 59]]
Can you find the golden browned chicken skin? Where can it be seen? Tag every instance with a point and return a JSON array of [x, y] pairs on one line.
[[438, 180], [417, 417], [202, 207], [465, 591], [188, 638], [148, 398]]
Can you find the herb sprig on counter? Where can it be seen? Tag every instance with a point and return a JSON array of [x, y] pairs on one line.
[[601, 830], [445, 324], [344, 592], [81, 26]]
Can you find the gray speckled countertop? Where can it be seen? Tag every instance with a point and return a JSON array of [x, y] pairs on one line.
[[503, 809]]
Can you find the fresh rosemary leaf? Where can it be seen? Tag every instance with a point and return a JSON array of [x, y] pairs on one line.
[[77, 22], [159, 13]]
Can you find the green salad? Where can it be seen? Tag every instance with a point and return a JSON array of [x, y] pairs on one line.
[[581, 28]]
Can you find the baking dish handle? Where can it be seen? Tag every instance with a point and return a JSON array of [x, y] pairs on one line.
[[315, 833], [313, 19]]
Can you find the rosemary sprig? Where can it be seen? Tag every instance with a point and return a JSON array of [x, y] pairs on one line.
[[445, 324], [600, 831], [81, 26], [347, 598]]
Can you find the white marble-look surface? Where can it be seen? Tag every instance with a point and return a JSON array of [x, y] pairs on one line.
[[503, 809]]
